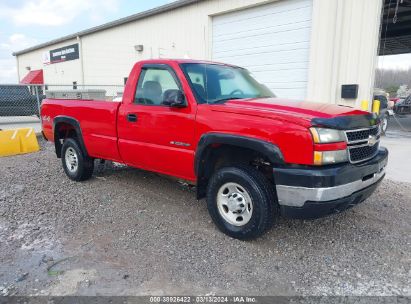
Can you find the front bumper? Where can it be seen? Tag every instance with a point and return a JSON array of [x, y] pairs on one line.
[[315, 192]]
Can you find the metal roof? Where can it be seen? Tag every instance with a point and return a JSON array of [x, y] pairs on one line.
[[138, 16], [396, 28]]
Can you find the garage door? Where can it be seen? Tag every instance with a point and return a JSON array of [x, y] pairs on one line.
[[270, 40]]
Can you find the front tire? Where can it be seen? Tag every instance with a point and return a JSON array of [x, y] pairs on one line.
[[77, 165], [241, 202]]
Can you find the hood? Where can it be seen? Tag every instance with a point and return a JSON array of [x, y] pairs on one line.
[[299, 112]]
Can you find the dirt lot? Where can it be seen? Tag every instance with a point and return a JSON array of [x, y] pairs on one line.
[[129, 232]]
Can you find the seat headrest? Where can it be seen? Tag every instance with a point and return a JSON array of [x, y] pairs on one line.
[[199, 89], [152, 90]]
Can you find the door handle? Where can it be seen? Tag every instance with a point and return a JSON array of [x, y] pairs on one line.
[[132, 117]]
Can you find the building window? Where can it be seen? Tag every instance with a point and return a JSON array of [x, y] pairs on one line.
[[74, 85], [125, 80]]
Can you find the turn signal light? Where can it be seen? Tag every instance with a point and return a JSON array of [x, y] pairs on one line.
[[330, 157]]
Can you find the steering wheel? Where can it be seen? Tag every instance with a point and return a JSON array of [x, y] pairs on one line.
[[237, 91]]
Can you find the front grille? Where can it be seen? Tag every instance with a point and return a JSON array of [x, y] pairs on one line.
[[362, 135], [361, 153], [363, 144]]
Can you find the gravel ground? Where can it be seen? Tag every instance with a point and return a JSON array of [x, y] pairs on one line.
[[129, 232]]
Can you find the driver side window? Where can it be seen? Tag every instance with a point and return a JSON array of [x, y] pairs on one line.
[[153, 84]]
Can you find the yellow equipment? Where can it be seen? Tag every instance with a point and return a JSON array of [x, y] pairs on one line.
[[376, 106], [364, 105], [18, 141]]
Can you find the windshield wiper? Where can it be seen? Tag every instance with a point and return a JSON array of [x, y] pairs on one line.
[[220, 101]]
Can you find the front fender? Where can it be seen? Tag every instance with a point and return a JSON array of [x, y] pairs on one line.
[[271, 151]]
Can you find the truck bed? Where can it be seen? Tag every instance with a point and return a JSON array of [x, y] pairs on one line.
[[96, 118]]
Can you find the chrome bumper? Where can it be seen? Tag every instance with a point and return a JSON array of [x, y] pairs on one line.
[[297, 196]]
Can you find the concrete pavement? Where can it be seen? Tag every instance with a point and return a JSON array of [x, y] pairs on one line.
[[398, 142], [399, 162]]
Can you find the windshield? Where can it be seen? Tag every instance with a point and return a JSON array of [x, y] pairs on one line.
[[213, 83]]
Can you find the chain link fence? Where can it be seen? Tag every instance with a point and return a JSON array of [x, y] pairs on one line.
[[20, 104]]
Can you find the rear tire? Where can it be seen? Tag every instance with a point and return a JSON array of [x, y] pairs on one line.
[[77, 165], [241, 202]]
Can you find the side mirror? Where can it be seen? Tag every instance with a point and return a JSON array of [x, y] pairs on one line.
[[174, 98]]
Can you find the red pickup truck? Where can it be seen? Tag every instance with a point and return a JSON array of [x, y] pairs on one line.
[[253, 156]]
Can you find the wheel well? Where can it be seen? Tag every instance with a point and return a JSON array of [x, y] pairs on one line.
[[217, 156], [62, 131]]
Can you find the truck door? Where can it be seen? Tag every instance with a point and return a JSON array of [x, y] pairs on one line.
[[155, 136]]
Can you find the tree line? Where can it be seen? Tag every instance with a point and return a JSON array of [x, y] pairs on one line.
[[392, 79]]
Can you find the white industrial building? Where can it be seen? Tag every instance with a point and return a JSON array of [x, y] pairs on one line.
[[305, 49]]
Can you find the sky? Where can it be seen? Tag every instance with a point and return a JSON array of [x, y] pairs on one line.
[[395, 62], [25, 23]]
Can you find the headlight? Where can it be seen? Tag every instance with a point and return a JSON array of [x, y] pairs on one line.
[[326, 136], [330, 157]]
